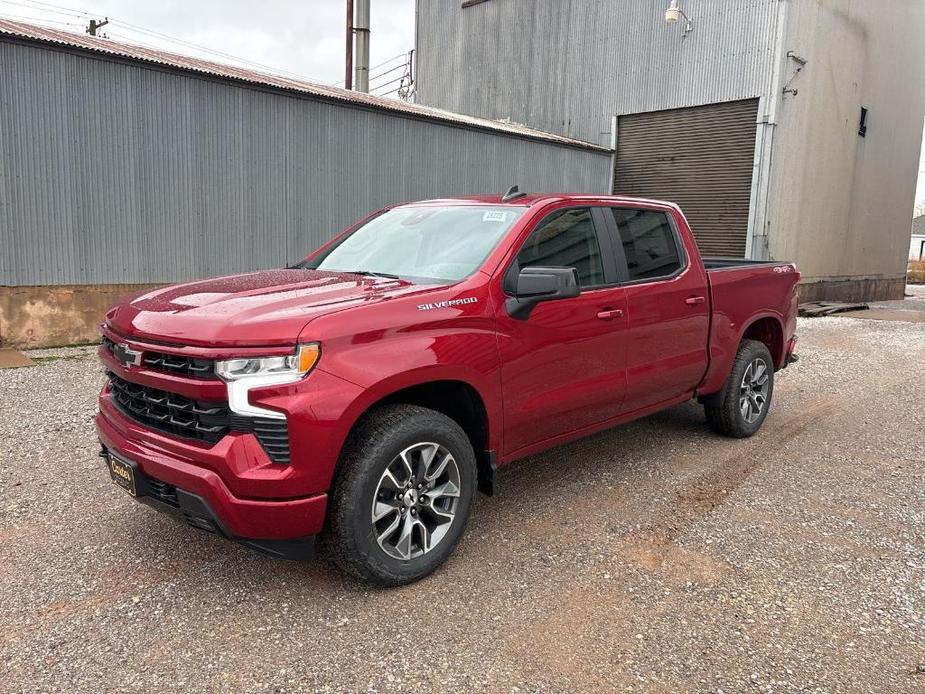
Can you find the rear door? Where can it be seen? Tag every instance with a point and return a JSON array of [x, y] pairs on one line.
[[563, 367], [668, 309]]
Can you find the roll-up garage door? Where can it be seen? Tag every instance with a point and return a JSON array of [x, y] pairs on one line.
[[699, 157]]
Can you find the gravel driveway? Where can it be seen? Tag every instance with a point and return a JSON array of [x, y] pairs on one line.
[[653, 557]]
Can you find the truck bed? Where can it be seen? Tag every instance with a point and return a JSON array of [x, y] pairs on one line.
[[742, 291], [717, 263]]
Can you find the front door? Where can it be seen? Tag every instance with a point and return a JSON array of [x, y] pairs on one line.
[[563, 367]]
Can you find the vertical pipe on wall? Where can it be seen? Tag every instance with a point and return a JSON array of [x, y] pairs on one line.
[[613, 154], [361, 27], [757, 245], [348, 60]]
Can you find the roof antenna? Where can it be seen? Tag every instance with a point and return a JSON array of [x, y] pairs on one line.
[[512, 194]]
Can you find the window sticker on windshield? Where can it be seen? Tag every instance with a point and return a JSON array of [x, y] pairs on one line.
[[494, 216]]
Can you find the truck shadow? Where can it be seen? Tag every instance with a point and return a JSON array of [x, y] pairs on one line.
[[651, 456]]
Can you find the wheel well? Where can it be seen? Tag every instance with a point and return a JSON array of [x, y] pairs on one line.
[[462, 403], [769, 331]]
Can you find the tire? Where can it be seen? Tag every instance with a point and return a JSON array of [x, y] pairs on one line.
[[399, 439], [732, 411]]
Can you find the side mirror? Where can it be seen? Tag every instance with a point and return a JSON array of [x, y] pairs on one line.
[[536, 284]]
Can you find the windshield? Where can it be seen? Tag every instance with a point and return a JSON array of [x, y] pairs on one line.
[[425, 243]]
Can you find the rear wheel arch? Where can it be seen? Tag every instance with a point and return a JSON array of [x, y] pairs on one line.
[[769, 331]]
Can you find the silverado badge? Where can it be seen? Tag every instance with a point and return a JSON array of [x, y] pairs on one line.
[[448, 303]]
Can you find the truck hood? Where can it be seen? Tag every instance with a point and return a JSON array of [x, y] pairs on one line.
[[254, 309]]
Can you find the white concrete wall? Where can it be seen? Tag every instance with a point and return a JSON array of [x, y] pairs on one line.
[[916, 251], [840, 203]]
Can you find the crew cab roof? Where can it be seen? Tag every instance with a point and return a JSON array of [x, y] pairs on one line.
[[530, 199]]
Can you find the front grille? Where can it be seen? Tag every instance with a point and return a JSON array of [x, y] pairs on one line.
[[195, 419], [184, 366], [169, 412], [172, 363]]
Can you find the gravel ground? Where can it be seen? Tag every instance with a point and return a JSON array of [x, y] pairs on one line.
[[655, 557]]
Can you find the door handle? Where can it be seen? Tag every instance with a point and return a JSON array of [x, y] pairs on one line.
[[609, 313], [694, 300]]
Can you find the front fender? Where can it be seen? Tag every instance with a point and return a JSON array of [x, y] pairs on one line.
[[485, 384]]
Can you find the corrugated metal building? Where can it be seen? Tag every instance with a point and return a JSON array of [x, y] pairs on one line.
[[122, 166], [750, 116]]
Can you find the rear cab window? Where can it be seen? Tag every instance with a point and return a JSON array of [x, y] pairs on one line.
[[649, 244]]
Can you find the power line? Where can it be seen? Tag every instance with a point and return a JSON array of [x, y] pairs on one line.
[[34, 8], [41, 20], [38, 5], [386, 84], [374, 67], [384, 94], [59, 8], [188, 44], [388, 72]]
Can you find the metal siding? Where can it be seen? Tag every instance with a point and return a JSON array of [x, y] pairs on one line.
[[119, 173], [118, 51], [702, 159], [566, 66]]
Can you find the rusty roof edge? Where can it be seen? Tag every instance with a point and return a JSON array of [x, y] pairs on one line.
[[55, 37]]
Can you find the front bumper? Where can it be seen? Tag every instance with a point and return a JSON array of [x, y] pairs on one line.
[[197, 493], [196, 512]]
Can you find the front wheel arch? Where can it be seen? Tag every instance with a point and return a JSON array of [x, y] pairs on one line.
[[455, 398]]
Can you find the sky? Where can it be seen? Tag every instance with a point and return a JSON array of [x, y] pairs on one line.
[[302, 37]]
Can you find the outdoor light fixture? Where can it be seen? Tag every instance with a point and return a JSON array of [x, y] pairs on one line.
[[673, 13]]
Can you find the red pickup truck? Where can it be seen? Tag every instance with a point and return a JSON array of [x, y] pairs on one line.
[[365, 394]]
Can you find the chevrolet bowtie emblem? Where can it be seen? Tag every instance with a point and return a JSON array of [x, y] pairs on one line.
[[126, 355]]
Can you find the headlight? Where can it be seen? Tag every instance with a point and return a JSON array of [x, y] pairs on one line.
[[243, 375], [294, 365]]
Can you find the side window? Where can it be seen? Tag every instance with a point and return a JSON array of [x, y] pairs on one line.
[[566, 238], [648, 243]]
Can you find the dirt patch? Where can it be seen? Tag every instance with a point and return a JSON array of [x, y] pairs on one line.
[[654, 544], [889, 314], [11, 359]]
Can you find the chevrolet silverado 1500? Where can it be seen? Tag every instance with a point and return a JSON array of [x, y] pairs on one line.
[[365, 394]]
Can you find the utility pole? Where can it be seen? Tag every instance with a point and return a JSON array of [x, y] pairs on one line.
[[361, 27], [96, 25], [348, 71]]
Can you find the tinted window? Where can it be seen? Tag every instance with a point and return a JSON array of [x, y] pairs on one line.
[[565, 238], [648, 243]]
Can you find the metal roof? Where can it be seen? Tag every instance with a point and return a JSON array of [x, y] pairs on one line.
[[107, 47], [918, 225]]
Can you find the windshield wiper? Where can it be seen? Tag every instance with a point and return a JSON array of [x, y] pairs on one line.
[[370, 273]]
